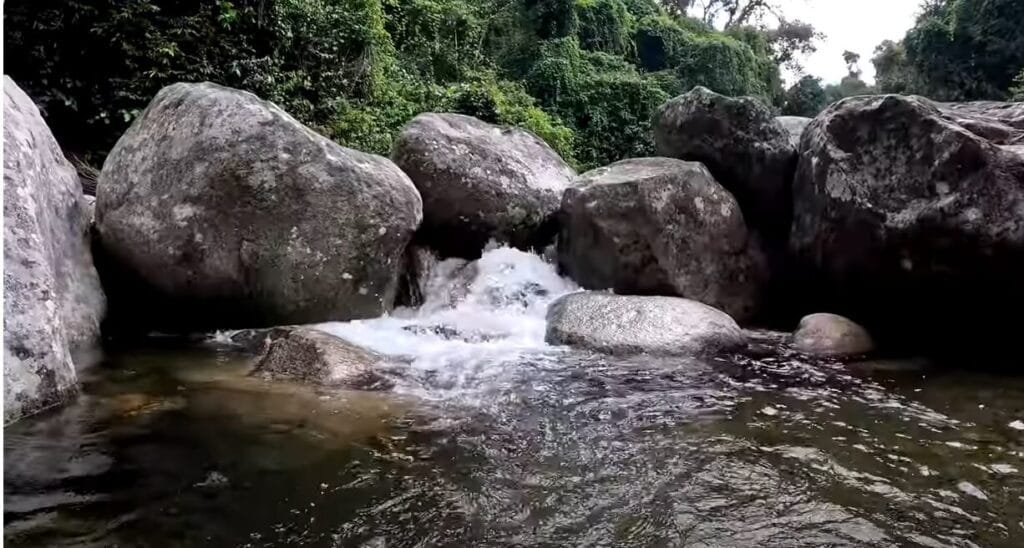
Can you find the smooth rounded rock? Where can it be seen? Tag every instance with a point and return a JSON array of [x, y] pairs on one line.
[[53, 301], [660, 226], [831, 335], [621, 325], [308, 355], [794, 126], [218, 209], [481, 182]]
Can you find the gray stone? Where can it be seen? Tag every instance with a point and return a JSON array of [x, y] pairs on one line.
[[621, 325], [481, 182], [794, 126], [228, 212], [660, 226], [911, 217], [308, 355], [831, 335], [53, 302], [746, 149]]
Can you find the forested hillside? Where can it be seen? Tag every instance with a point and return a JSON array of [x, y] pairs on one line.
[[583, 74]]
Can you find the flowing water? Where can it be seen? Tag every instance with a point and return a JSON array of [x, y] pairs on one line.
[[492, 438]]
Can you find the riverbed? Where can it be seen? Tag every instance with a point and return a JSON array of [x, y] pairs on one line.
[[492, 438]]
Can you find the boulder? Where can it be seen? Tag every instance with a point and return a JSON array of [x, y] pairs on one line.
[[53, 302], [481, 182], [831, 335], [660, 226], [308, 355], [746, 149], [913, 222], [621, 325], [219, 209], [794, 126]]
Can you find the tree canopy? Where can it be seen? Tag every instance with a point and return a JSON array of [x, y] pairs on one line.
[[585, 75]]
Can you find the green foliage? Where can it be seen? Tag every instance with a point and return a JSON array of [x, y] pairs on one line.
[[849, 86], [724, 65], [585, 75], [605, 25], [957, 50], [805, 98], [1017, 90], [661, 43]]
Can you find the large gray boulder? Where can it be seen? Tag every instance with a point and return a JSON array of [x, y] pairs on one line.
[[739, 140], [911, 214], [660, 226], [481, 182], [230, 213], [621, 325], [53, 302], [831, 335], [308, 355]]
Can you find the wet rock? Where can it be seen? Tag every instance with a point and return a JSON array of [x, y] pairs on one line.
[[308, 355], [831, 335], [217, 209], [746, 149], [912, 220], [53, 302], [794, 126], [660, 226], [481, 182], [616, 324]]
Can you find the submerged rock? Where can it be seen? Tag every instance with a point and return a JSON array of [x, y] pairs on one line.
[[911, 217], [660, 226], [481, 182], [53, 302], [824, 334], [616, 324], [742, 144], [308, 355], [221, 210]]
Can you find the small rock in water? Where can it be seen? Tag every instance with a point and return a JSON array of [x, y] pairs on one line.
[[213, 479], [1017, 425], [1004, 468], [770, 411], [970, 489]]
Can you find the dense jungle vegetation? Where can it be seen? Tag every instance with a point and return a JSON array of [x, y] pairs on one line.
[[583, 74]]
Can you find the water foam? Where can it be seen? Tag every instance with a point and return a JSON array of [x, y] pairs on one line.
[[476, 319]]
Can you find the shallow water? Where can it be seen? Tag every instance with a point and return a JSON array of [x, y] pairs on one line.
[[491, 438]]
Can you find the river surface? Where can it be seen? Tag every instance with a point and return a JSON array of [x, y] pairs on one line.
[[492, 438]]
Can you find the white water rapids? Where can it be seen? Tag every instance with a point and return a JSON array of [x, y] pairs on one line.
[[476, 318]]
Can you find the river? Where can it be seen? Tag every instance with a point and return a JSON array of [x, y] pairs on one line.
[[490, 437]]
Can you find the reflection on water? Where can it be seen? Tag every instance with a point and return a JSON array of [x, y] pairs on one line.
[[492, 438], [178, 447]]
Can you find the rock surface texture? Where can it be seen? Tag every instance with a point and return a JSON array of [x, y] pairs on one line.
[[230, 213], [308, 355], [53, 302], [621, 325], [481, 182], [660, 226], [831, 335], [746, 149], [912, 215]]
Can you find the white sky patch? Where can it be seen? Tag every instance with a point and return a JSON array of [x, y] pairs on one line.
[[856, 26]]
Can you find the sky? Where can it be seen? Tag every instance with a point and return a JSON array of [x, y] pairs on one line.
[[855, 25]]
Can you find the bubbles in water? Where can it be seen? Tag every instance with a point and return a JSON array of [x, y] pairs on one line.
[[478, 318]]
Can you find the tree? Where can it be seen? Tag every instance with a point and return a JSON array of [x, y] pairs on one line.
[[957, 50], [851, 84], [805, 98], [791, 40]]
